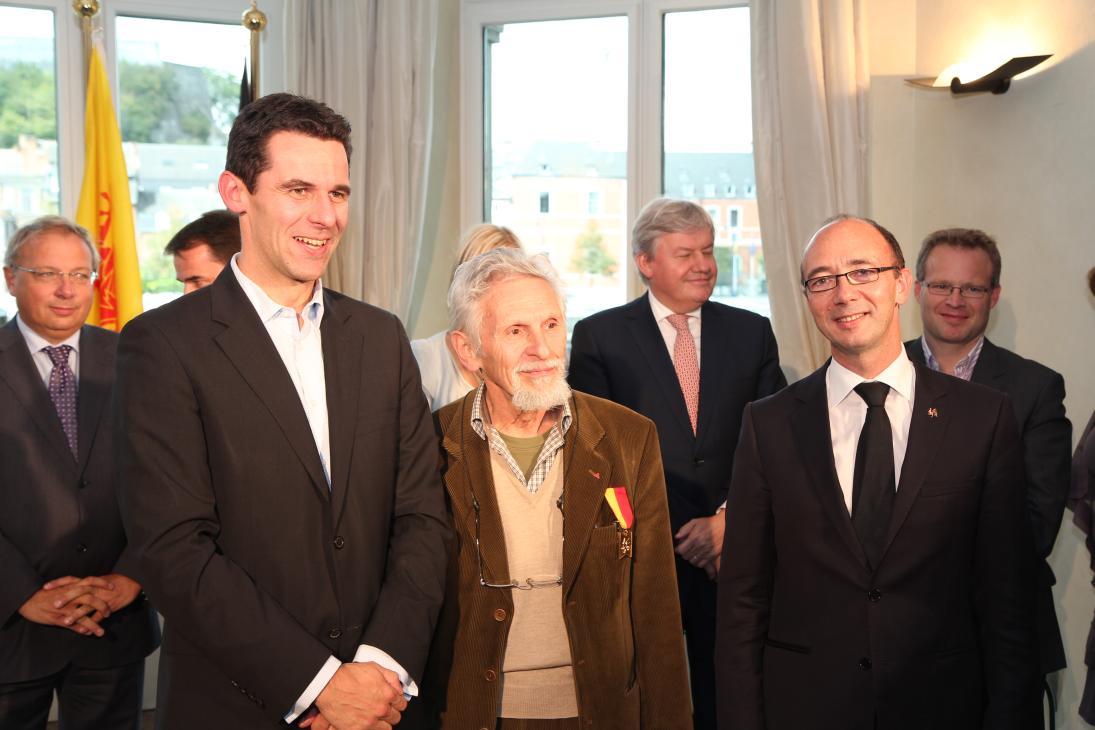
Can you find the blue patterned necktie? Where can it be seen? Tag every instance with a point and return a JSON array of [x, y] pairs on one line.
[[62, 391]]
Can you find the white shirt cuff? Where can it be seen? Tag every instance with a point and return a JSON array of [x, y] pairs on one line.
[[308, 698], [722, 508], [366, 653]]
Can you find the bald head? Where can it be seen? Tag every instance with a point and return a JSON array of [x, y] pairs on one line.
[[863, 283]]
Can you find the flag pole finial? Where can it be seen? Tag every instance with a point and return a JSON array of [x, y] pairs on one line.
[[254, 20], [86, 9]]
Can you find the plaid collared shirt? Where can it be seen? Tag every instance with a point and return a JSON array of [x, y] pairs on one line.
[[963, 368], [552, 444]]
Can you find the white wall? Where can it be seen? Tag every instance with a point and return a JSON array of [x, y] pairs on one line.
[[1019, 166]]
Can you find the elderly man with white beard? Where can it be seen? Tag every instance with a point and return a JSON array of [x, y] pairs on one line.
[[560, 609]]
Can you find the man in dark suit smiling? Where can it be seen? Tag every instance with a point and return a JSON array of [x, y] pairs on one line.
[[690, 365], [877, 570], [278, 464], [72, 617], [957, 286]]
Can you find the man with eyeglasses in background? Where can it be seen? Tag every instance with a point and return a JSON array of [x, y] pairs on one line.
[[957, 286], [877, 571], [560, 610], [72, 620]]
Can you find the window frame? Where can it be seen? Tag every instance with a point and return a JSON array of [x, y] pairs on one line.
[[644, 98]]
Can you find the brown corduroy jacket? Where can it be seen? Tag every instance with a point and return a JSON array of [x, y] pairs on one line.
[[621, 610]]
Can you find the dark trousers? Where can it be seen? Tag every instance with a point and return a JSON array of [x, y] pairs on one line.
[[90, 699], [698, 611]]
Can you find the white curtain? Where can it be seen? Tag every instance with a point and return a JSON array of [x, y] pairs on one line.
[[373, 62], [810, 82]]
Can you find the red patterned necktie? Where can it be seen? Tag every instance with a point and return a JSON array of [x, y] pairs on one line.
[[62, 391], [686, 365]]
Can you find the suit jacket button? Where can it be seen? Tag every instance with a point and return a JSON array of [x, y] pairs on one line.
[[81, 548], [84, 484], [698, 462], [334, 633], [499, 614], [865, 663], [490, 675], [340, 542], [874, 595]]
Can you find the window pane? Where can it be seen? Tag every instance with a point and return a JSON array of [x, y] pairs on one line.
[[708, 142], [178, 94], [556, 149], [29, 186]]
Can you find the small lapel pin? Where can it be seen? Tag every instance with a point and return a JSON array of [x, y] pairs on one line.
[[595, 474], [932, 413]]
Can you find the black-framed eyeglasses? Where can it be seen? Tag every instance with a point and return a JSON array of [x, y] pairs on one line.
[[51, 276], [944, 289], [527, 584], [855, 276]]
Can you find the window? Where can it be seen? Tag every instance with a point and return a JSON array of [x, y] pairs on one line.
[[178, 94], [41, 172], [616, 93], [556, 129], [709, 138], [29, 185]]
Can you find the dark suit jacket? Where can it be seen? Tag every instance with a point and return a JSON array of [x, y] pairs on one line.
[[623, 625], [260, 570], [940, 636], [620, 354], [59, 515], [1037, 398]]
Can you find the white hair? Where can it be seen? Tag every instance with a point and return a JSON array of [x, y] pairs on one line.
[[474, 278]]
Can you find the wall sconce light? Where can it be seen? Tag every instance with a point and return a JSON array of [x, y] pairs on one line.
[[997, 81]]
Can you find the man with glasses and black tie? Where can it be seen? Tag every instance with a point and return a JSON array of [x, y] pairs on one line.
[[957, 286], [877, 570], [560, 609], [72, 620]]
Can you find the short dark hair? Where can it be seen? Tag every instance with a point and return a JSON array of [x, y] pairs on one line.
[[217, 229], [970, 239], [273, 113]]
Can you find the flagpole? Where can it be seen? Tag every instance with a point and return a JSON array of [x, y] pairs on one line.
[[254, 20], [86, 9]]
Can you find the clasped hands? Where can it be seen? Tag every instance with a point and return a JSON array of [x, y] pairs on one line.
[[360, 696], [80, 604]]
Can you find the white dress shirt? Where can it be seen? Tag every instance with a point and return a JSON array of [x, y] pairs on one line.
[[669, 332], [848, 411], [301, 348], [37, 346]]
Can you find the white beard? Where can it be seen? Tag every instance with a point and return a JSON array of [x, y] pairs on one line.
[[542, 396]]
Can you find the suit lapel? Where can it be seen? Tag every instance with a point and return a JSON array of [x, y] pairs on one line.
[[813, 439], [342, 362], [929, 423], [586, 476], [469, 482], [651, 345], [990, 369], [96, 382], [19, 372], [247, 344]]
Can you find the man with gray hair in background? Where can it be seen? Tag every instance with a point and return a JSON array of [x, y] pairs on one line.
[[556, 614], [690, 365]]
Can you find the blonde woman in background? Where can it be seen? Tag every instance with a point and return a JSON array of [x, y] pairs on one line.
[[443, 378]]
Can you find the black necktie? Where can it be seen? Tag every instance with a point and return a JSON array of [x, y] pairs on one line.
[[873, 484]]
